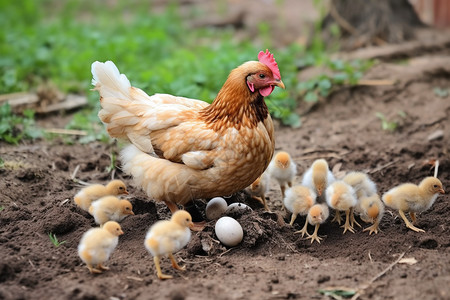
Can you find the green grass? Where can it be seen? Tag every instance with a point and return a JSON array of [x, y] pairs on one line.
[[14, 128], [157, 52], [54, 240]]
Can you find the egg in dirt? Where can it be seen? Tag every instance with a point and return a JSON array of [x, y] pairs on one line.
[[229, 231], [237, 208], [215, 208]]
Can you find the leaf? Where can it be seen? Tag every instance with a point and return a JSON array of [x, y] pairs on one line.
[[338, 293], [311, 97]]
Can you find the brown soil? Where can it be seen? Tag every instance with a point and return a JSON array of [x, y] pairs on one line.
[[272, 262]]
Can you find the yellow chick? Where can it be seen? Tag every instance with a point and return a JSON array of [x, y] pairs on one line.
[[370, 210], [282, 169], [97, 245], [110, 208], [317, 215], [167, 237], [318, 177], [364, 187], [93, 192], [412, 198], [341, 197], [259, 188], [298, 200]]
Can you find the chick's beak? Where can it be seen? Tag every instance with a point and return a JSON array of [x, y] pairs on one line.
[[120, 232], [125, 192], [132, 213], [279, 83], [191, 225], [442, 191]]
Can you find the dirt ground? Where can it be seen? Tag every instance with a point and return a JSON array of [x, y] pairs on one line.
[[37, 189]]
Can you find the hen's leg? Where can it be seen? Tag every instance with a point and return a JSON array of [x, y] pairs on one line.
[[197, 218]]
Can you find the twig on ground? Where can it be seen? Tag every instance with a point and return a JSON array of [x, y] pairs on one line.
[[367, 285], [65, 131], [378, 169]]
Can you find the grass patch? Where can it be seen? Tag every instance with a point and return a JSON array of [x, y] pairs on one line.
[[56, 43]]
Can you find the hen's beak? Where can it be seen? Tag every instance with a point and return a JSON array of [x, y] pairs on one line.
[[279, 83]]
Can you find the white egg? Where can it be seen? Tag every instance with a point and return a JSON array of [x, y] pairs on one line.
[[238, 207], [229, 231], [215, 208]]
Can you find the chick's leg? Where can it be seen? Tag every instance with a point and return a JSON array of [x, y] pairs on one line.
[[408, 224], [413, 217], [175, 264], [314, 236], [373, 228], [304, 230], [263, 198], [102, 267], [93, 270], [352, 218], [337, 217], [346, 225], [158, 269]]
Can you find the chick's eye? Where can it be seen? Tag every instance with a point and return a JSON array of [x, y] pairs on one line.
[[262, 76], [435, 186]]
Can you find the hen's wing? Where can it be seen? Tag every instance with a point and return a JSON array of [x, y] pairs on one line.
[[162, 124]]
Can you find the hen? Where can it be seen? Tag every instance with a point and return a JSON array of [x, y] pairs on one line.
[[184, 149]]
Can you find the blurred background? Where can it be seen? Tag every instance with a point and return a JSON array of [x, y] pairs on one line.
[[185, 48]]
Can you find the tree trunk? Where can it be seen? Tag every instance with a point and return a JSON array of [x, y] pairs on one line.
[[370, 22]]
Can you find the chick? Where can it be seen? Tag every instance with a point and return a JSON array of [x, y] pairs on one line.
[[317, 215], [259, 188], [167, 237], [93, 192], [97, 244], [110, 208], [298, 200], [283, 170], [413, 198], [364, 187], [318, 177], [341, 197], [370, 210]]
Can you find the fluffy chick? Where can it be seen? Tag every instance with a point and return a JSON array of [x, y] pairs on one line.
[[283, 170], [93, 192], [97, 244], [317, 215], [318, 177], [370, 210], [341, 197], [167, 237], [364, 187], [110, 208], [298, 200], [259, 188], [412, 198]]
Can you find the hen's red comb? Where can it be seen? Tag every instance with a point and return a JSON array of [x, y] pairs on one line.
[[267, 59]]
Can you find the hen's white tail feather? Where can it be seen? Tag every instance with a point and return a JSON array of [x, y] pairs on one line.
[[109, 81]]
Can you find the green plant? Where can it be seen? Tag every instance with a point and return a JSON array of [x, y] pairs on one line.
[[14, 128], [385, 124], [440, 92], [340, 73], [2, 207], [54, 240], [2, 163], [113, 161]]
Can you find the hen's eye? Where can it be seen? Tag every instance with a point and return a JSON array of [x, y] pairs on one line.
[[262, 76]]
